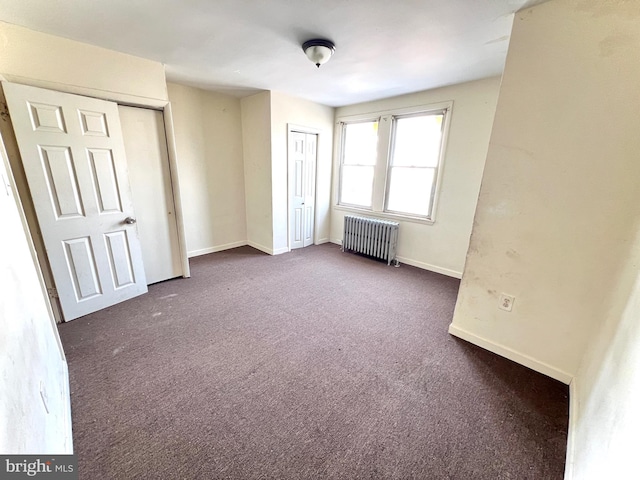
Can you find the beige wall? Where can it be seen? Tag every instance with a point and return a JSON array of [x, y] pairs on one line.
[[31, 360], [287, 110], [256, 142], [603, 43], [208, 135], [605, 419], [265, 120], [442, 246], [557, 212], [557, 223], [47, 61]]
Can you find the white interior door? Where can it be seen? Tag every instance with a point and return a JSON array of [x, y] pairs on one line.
[[302, 178], [74, 161], [145, 144], [311, 142]]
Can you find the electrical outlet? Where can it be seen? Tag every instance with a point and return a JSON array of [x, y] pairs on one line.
[[506, 302]]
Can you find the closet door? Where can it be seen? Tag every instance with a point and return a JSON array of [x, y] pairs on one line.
[[145, 144], [74, 159]]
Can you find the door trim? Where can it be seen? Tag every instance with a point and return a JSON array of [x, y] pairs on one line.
[[167, 115], [292, 127], [17, 171]]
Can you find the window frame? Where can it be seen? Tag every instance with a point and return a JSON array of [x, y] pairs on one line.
[[444, 112], [343, 127], [382, 169]]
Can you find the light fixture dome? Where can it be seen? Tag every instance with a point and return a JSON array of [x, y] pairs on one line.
[[318, 50]]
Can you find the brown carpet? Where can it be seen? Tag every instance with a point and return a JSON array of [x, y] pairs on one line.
[[312, 364]]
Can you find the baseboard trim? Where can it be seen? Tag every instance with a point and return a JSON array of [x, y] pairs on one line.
[[574, 406], [217, 248], [322, 240], [281, 250], [416, 263], [432, 268], [506, 352], [262, 248]]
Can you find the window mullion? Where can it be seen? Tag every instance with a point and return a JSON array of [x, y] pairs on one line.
[[380, 173]]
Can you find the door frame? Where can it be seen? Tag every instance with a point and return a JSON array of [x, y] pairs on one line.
[[17, 171], [292, 127]]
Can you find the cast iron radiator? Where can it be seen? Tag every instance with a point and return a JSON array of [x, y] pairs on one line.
[[372, 237]]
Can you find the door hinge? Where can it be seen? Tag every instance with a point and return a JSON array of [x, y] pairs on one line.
[[53, 292]]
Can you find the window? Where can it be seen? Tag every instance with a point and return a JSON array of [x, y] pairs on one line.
[[391, 164], [414, 162], [359, 153]]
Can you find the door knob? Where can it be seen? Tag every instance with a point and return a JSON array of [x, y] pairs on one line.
[[130, 220]]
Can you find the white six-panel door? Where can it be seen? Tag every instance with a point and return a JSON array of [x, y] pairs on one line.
[[74, 160], [302, 179]]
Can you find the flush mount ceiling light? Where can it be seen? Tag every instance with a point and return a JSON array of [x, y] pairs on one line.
[[319, 51]]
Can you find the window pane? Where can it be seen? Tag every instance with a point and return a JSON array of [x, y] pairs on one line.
[[410, 190], [356, 186], [417, 141], [360, 143]]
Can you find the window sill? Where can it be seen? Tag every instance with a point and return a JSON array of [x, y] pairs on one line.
[[388, 216]]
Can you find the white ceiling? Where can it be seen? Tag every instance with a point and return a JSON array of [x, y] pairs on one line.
[[383, 47]]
